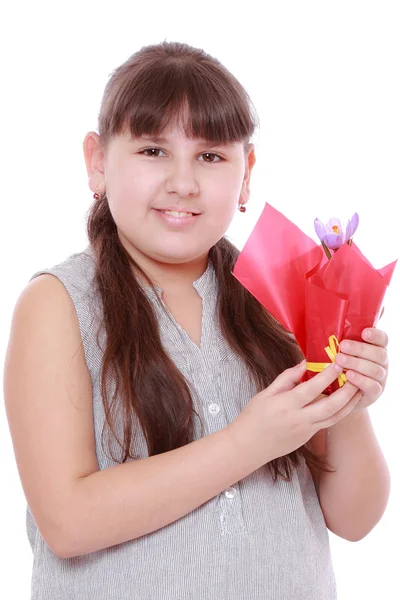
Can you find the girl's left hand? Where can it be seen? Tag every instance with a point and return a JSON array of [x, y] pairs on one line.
[[366, 364]]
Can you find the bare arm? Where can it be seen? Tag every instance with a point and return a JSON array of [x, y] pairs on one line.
[[77, 507], [354, 498], [139, 497]]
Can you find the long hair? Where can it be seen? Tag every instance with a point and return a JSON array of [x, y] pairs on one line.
[[145, 94]]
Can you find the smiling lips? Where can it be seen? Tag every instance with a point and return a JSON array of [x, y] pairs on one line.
[[177, 218], [177, 211]]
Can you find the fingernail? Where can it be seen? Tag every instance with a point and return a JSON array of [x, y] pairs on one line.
[[367, 334], [338, 368]]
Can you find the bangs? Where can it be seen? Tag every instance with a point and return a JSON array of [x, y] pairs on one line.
[[202, 99]]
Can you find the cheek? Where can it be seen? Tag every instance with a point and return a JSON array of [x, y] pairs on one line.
[[229, 213], [226, 204], [219, 217], [124, 178], [131, 186], [129, 196]]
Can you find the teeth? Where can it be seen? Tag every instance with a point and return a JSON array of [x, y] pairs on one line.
[[174, 213]]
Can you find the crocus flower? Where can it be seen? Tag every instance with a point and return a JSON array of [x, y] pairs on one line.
[[334, 234]]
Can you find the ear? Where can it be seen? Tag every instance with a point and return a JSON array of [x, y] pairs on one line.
[[94, 159], [250, 162]]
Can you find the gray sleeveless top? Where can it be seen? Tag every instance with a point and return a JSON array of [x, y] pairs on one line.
[[254, 541]]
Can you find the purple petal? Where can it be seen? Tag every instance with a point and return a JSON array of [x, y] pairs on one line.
[[333, 240], [334, 222], [351, 226], [320, 228]]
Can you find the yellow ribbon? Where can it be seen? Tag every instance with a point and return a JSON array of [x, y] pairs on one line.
[[331, 350]]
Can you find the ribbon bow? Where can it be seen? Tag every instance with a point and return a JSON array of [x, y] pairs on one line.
[[331, 350]]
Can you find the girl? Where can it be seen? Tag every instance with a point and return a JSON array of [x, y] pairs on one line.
[[165, 444]]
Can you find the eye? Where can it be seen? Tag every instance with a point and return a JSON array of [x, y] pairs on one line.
[[211, 154], [149, 150], [153, 152]]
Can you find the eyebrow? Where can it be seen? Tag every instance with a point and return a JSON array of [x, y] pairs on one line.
[[163, 140], [157, 140]]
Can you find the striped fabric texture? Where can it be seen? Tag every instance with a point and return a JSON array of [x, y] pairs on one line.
[[256, 540]]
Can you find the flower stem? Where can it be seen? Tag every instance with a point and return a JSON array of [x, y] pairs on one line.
[[325, 247]]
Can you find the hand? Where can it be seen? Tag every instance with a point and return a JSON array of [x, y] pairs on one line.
[[284, 416], [366, 364]]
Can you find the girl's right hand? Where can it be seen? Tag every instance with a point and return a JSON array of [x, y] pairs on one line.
[[284, 416]]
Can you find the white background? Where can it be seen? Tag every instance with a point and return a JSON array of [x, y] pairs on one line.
[[324, 77]]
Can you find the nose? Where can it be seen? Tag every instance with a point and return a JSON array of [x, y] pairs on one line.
[[181, 178]]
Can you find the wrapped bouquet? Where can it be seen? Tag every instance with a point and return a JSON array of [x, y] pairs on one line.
[[321, 293]]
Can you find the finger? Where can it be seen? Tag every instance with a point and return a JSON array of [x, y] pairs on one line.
[[372, 335], [317, 398], [371, 352], [327, 407], [287, 380], [369, 387], [311, 389], [362, 366], [343, 412]]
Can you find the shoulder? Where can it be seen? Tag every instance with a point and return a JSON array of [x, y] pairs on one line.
[[43, 298], [44, 320], [76, 273], [70, 284]]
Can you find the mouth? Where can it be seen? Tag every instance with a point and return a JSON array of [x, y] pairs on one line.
[[177, 219], [176, 214]]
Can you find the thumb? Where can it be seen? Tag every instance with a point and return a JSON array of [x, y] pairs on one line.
[[288, 379]]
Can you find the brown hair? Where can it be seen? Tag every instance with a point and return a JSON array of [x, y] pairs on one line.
[[145, 94]]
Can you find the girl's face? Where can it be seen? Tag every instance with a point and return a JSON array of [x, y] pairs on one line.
[[144, 176]]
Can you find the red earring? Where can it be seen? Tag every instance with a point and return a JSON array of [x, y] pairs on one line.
[[242, 208], [96, 196]]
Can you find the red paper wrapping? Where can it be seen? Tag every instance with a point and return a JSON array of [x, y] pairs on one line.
[[311, 296]]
